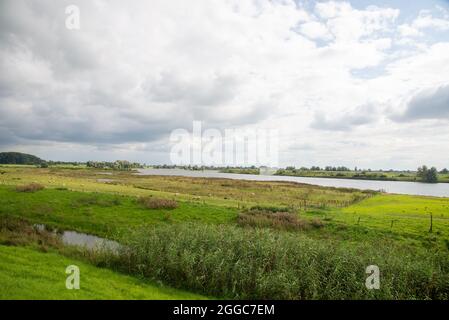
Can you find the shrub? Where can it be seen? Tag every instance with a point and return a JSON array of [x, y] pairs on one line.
[[32, 187], [157, 203], [17, 231], [270, 209], [277, 220]]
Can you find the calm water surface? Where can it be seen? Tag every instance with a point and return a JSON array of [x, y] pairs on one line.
[[85, 240], [400, 187]]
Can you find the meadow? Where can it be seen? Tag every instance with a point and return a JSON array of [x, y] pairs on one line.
[[232, 238]]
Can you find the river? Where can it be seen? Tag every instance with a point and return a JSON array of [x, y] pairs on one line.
[[399, 187]]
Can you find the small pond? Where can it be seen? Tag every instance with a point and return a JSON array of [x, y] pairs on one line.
[[85, 240]]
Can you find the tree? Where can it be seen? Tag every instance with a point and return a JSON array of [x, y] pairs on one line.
[[444, 171], [428, 175], [422, 172], [19, 158], [432, 175]]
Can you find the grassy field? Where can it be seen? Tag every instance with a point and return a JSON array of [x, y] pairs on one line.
[[100, 213], [79, 199], [409, 214], [106, 203], [221, 192], [29, 274]]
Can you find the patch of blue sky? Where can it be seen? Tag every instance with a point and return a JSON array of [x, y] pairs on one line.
[[409, 9], [370, 72]]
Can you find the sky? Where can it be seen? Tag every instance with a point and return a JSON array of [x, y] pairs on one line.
[[354, 83]]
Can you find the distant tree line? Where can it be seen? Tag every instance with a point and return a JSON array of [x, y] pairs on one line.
[[203, 167], [116, 165], [424, 173], [316, 168], [66, 163]]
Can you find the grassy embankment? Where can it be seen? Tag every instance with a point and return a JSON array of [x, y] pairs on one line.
[[360, 175], [363, 220], [30, 274], [241, 170]]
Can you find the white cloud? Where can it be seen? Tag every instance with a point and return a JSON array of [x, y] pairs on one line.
[[349, 24], [425, 20], [407, 30], [136, 71], [331, 9], [315, 30], [362, 115]]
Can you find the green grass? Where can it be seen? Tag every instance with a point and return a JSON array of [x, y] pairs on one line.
[[217, 192], [29, 274], [101, 214], [394, 229], [104, 214], [410, 215]]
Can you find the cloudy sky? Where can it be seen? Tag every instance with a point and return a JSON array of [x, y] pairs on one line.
[[356, 83]]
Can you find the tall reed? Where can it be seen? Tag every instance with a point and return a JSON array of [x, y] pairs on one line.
[[233, 262]]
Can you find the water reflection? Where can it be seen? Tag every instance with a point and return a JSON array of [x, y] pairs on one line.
[[84, 240]]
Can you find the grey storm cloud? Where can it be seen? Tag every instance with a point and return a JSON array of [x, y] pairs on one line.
[[212, 90], [361, 115], [92, 86], [428, 104]]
